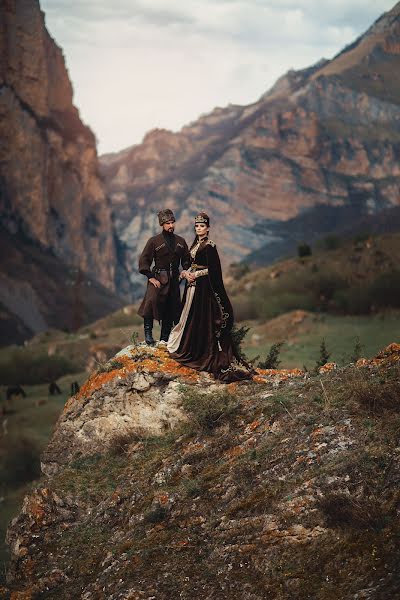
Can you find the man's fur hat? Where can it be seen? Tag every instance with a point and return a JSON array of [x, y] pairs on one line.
[[165, 215]]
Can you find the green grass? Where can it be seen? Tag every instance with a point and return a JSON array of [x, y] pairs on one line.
[[359, 276], [31, 419], [340, 335]]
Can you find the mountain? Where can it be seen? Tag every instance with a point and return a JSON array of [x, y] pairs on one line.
[[323, 141], [51, 193], [39, 291]]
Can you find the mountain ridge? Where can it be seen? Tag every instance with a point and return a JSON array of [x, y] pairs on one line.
[[317, 137]]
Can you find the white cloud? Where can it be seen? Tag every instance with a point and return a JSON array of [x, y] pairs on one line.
[[140, 64]]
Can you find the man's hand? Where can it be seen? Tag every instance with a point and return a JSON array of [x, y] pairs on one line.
[[155, 282]]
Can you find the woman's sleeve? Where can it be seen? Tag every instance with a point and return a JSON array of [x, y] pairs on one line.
[[218, 289], [214, 266]]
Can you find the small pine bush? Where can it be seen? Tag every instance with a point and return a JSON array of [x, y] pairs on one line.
[[323, 355], [272, 361], [238, 334], [356, 350]]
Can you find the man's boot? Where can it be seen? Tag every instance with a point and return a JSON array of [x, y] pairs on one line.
[[166, 327], [148, 331]]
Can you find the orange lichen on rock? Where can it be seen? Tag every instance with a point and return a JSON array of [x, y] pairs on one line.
[[281, 374], [157, 360], [388, 357], [390, 350], [24, 595], [331, 366]]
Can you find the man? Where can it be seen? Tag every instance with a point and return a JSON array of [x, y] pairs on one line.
[[162, 300]]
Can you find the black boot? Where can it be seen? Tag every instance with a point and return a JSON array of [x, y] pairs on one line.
[[166, 327], [148, 331]]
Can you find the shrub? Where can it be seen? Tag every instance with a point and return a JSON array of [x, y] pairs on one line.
[[245, 308], [276, 303], [385, 290], [156, 514], [272, 361], [238, 270], [323, 355], [326, 283], [377, 395], [362, 237], [109, 366], [344, 511], [304, 250], [23, 367], [120, 443], [354, 300], [358, 346], [192, 487], [21, 462], [208, 410], [331, 242], [238, 334]]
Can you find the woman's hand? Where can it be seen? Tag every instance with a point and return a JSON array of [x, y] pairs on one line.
[[155, 282], [188, 276]]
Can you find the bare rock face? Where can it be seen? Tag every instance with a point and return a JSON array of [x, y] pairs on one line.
[[322, 142], [140, 394], [50, 190], [136, 404]]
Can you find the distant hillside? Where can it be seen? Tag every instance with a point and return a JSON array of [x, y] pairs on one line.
[[322, 146], [39, 291], [312, 226], [343, 276]]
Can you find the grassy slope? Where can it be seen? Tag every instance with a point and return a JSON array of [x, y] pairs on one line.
[[31, 419], [340, 334], [356, 261], [291, 493]]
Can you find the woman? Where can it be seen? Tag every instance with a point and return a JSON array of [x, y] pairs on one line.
[[202, 338]]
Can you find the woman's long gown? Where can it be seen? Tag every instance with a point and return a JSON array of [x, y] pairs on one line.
[[202, 338]]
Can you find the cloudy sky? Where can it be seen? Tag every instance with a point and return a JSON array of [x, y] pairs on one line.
[[140, 64]]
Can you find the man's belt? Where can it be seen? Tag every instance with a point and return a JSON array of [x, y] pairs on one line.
[[169, 270]]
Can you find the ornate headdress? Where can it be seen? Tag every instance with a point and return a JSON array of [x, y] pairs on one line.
[[202, 218], [165, 215]]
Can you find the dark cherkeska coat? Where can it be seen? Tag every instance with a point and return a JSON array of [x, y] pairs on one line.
[[169, 256]]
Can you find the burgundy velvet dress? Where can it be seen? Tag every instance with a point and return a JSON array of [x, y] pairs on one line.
[[202, 338]]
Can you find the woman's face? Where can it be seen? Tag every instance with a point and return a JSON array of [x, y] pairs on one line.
[[201, 229]]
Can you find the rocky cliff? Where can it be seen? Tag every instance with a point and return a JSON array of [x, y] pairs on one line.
[[39, 291], [163, 484], [323, 138], [50, 189]]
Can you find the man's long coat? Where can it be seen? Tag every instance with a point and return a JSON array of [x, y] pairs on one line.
[[164, 302]]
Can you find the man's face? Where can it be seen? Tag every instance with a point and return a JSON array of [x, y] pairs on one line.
[[169, 226]]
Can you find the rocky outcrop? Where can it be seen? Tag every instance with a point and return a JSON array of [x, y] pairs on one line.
[[322, 138], [247, 485], [137, 393], [50, 189]]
